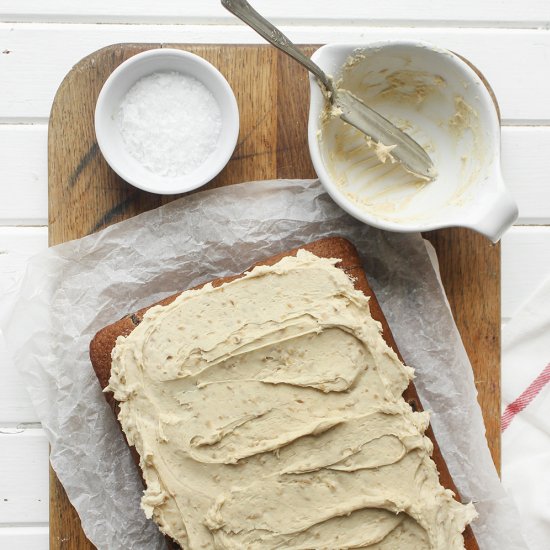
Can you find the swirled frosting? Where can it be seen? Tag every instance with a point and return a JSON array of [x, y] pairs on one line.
[[268, 413]]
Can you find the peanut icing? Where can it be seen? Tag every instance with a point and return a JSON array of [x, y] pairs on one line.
[[268, 413]]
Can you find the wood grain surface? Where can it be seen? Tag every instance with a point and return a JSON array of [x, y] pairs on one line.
[[85, 195]]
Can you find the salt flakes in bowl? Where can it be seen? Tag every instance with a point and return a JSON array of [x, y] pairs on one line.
[[170, 122], [167, 121]]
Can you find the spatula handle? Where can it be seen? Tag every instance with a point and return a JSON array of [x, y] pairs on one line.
[[245, 12]]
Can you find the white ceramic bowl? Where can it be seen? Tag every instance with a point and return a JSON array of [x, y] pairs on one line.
[[440, 100], [119, 83]]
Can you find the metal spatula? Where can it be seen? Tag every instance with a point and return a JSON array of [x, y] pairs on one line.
[[353, 110]]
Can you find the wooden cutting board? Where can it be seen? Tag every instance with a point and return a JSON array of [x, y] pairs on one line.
[[85, 195]]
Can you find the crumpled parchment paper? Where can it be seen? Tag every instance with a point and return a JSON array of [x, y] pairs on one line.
[[74, 289]]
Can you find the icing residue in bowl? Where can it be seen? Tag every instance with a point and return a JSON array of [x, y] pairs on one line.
[[434, 107]]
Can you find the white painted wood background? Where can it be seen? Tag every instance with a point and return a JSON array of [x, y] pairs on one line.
[[40, 41]]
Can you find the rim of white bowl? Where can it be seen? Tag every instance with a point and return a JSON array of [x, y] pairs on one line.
[[227, 140]]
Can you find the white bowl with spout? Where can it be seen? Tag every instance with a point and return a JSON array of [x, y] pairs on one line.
[[443, 103]]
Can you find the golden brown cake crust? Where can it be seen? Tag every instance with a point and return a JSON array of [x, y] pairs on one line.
[[334, 247]]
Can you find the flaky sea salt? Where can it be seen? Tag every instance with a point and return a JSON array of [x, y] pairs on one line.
[[170, 122]]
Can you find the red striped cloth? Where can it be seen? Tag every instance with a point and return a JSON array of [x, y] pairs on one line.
[[525, 397]]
